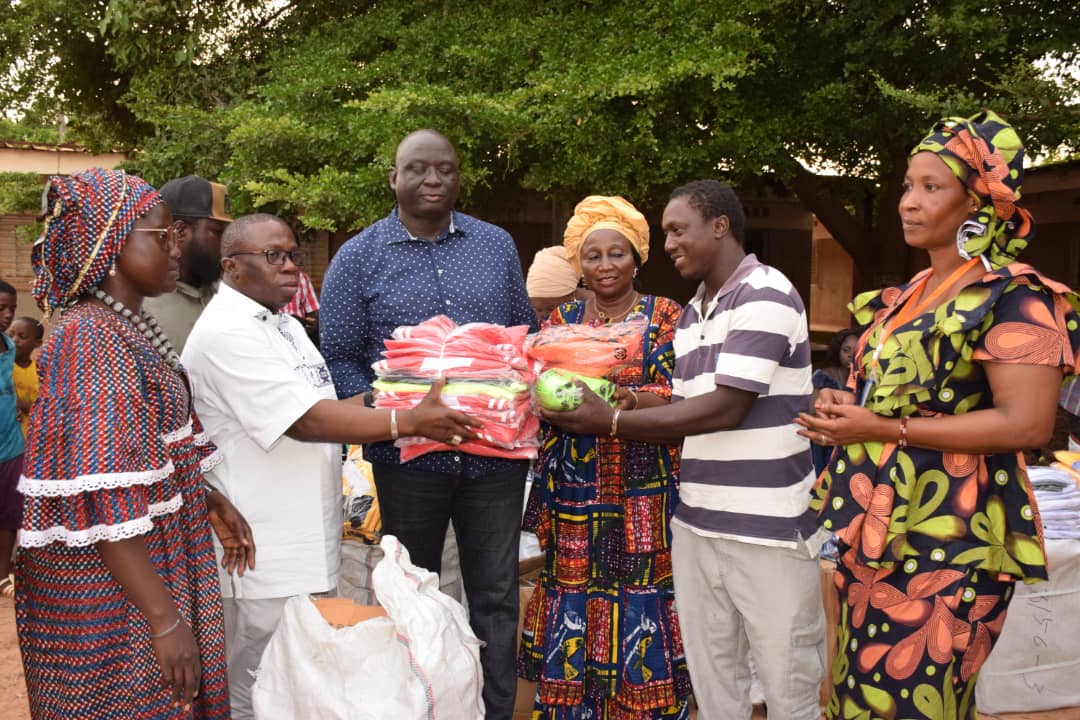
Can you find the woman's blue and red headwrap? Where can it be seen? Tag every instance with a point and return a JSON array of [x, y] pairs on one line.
[[88, 216]]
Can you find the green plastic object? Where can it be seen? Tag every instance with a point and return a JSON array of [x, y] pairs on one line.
[[556, 390]]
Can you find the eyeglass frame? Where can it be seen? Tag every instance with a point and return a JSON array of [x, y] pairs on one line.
[[294, 255], [165, 232]]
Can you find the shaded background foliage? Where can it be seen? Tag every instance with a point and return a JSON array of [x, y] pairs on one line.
[[298, 106]]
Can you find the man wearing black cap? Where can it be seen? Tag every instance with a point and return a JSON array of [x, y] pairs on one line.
[[200, 211]]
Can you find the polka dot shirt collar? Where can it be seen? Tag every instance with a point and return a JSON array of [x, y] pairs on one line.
[[397, 237]]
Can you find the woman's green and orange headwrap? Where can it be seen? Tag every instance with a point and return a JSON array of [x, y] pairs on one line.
[[987, 156]]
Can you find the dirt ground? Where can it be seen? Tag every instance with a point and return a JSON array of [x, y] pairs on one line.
[[12, 688]]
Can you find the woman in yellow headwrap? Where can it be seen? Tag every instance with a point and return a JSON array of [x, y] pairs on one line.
[[601, 637], [927, 493]]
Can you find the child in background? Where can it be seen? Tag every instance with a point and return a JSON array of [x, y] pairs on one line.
[[11, 444], [27, 334]]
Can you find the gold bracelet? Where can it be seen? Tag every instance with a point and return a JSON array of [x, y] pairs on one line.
[[615, 421], [393, 424]]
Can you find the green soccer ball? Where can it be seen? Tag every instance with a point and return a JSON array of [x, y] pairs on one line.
[[556, 391]]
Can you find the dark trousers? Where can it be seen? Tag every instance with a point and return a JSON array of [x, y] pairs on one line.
[[417, 505]]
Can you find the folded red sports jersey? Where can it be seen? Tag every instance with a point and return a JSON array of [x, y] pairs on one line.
[[487, 374]]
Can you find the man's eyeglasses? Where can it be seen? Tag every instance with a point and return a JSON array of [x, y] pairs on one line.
[[275, 257], [165, 237]]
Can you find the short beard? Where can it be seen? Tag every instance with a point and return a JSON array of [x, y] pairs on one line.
[[202, 269]]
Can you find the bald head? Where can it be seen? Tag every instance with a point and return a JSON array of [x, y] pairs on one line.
[[241, 233], [423, 136], [426, 179]]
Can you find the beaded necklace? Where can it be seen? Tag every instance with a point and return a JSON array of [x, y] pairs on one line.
[[145, 323]]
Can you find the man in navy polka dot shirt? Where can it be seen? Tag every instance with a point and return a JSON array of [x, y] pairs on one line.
[[426, 259]]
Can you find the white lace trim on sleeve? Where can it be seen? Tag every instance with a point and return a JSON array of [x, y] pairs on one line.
[[211, 461], [177, 435], [35, 487], [97, 533]]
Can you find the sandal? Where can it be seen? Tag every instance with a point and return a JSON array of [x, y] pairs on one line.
[[7, 586]]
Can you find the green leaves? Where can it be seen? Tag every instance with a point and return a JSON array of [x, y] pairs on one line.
[[565, 97], [20, 193]]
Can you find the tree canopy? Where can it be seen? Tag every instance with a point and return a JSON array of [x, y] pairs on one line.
[[298, 106]]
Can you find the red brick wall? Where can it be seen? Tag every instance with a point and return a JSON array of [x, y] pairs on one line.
[[15, 265]]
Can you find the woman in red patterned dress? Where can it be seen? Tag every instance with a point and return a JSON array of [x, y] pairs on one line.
[[118, 606]]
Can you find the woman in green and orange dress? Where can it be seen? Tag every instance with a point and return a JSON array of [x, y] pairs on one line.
[[958, 372]]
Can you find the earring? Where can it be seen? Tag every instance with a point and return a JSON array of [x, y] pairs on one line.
[[635, 272]]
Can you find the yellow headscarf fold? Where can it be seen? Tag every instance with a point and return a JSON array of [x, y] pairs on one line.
[[599, 212]]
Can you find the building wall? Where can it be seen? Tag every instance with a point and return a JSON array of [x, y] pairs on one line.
[[15, 265], [25, 157], [316, 253], [832, 279]]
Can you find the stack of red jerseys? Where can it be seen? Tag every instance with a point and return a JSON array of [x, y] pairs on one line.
[[487, 376]]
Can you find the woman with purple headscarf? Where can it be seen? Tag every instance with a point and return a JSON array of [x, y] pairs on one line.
[[117, 605], [927, 492]]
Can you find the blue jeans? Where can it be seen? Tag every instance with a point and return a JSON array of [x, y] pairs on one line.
[[416, 506]]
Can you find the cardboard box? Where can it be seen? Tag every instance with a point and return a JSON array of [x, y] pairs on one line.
[[526, 691], [343, 612]]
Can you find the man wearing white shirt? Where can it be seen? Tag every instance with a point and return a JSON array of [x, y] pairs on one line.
[[265, 397]]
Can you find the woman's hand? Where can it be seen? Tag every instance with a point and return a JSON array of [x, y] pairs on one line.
[[626, 399], [178, 657], [843, 423], [832, 396], [233, 532], [434, 420], [177, 653]]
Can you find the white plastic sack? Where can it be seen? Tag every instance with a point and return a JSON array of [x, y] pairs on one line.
[[1036, 660], [421, 662]]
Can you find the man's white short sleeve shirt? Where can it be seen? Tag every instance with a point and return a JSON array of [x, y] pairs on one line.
[[254, 373]]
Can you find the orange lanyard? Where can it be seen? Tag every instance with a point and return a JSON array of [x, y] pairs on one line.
[[912, 309]]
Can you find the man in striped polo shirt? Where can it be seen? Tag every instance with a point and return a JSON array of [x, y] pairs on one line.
[[744, 543]]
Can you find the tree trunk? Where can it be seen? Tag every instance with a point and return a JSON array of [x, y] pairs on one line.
[[875, 241], [889, 256], [833, 213]]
